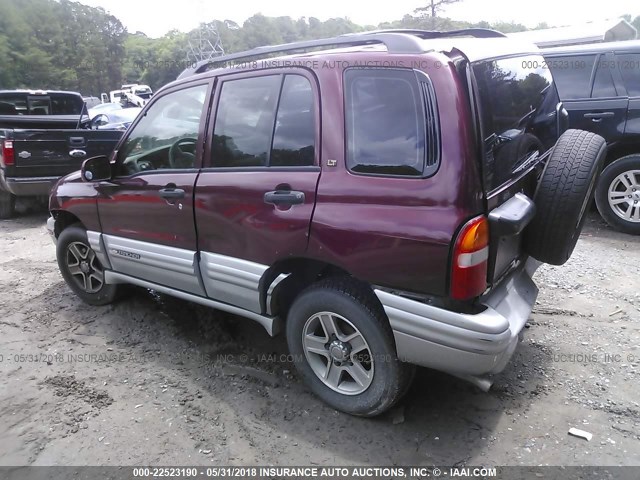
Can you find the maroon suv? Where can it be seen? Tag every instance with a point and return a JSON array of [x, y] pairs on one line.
[[382, 200]]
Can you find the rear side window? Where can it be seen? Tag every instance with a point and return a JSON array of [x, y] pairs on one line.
[[50, 104], [630, 68], [603, 85], [294, 134], [244, 122], [572, 75], [265, 121], [386, 126]]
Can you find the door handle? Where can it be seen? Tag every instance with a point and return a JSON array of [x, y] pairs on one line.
[[171, 193], [77, 153], [284, 197], [77, 141], [598, 115]]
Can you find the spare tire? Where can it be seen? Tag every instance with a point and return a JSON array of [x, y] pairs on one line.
[[563, 195]]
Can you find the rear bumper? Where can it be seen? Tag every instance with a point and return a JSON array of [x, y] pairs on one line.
[[469, 346], [28, 186]]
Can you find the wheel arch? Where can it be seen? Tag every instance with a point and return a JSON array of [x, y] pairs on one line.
[[64, 219], [286, 279]]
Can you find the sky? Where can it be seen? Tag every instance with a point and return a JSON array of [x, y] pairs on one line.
[[156, 17]]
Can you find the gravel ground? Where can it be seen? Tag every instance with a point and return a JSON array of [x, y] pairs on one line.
[[154, 380]]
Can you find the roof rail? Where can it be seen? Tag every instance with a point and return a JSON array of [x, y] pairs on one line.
[[432, 34], [396, 41]]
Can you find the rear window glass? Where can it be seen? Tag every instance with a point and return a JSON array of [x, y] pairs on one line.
[[385, 122], [17, 103], [572, 75], [517, 101]]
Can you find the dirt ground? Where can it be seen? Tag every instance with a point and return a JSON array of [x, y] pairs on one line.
[[157, 381]]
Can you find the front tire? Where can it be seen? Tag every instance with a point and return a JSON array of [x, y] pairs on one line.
[[344, 349], [81, 268], [618, 194]]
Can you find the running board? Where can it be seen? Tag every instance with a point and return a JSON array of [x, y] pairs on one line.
[[273, 325]]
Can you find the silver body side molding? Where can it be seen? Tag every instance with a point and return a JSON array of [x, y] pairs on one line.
[[272, 290], [272, 325], [96, 243], [232, 280], [170, 266], [464, 345]]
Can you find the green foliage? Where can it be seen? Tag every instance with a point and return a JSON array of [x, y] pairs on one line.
[[66, 45]]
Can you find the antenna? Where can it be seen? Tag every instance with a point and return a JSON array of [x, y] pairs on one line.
[[204, 42]]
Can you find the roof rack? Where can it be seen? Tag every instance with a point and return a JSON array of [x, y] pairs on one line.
[[432, 34], [396, 41]]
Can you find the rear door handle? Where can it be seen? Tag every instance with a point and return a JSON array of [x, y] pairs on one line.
[[171, 193], [284, 197], [77, 142], [598, 115]]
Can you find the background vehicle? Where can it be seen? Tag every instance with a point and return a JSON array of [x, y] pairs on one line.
[[43, 136], [600, 87], [91, 102], [103, 108], [391, 200], [118, 119], [136, 95]]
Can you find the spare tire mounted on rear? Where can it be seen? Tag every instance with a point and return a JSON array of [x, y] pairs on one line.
[[563, 196]]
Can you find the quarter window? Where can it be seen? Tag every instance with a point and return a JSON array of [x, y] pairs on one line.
[[166, 137], [385, 122]]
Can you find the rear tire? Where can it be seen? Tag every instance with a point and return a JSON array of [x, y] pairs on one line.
[[7, 204], [618, 194], [81, 268], [563, 196], [344, 348]]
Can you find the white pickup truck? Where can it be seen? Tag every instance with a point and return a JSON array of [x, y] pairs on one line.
[[136, 95]]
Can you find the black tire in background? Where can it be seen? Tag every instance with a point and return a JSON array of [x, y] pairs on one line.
[[564, 193], [7, 204], [611, 177], [72, 250], [346, 298]]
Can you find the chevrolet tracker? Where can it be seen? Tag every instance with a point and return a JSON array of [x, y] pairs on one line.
[[384, 216]]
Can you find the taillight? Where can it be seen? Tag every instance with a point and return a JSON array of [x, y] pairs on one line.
[[7, 153], [470, 257]]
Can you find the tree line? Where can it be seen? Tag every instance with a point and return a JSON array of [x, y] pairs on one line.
[[66, 45]]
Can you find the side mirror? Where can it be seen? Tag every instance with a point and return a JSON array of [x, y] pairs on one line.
[[99, 120], [96, 169]]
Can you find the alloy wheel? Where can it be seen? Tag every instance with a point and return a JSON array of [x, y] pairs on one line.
[[338, 353]]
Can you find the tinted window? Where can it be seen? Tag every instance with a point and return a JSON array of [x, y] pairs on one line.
[[385, 122], [603, 85], [244, 121], [294, 134], [518, 103], [630, 68], [166, 136], [17, 103], [572, 75]]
